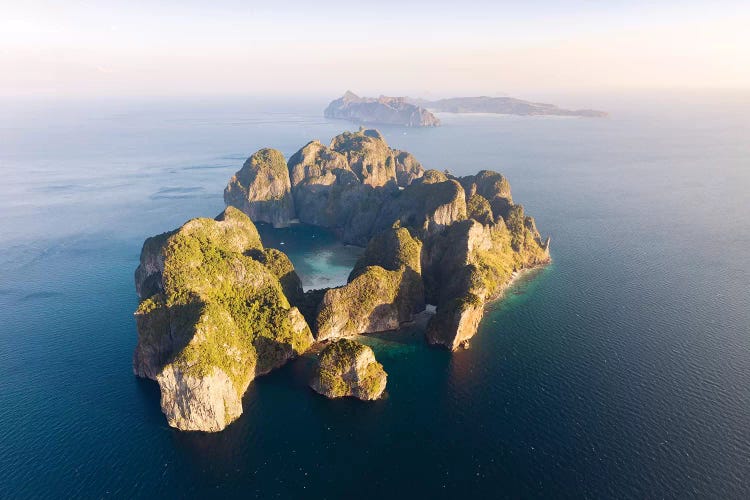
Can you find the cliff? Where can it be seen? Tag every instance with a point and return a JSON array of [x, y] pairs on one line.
[[219, 319], [382, 111], [469, 234], [261, 188]]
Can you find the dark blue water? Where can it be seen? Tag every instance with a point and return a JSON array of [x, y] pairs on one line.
[[622, 370]]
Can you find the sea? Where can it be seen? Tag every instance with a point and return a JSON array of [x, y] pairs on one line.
[[622, 370]]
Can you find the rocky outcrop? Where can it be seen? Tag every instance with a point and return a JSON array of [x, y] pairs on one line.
[[491, 186], [384, 291], [469, 264], [198, 403], [428, 207], [474, 237], [383, 110], [348, 368], [377, 300], [221, 319], [359, 187], [392, 249], [368, 156], [148, 272], [261, 188], [501, 105], [408, 169]]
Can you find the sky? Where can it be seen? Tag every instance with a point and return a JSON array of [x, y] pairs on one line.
[[429, 49]]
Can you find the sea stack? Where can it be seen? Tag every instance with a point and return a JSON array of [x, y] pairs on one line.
[[348, 368]]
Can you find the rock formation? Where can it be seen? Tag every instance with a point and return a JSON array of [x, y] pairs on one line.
[[383, 110], [471, 235], [219, 318], [218, 309], [261, 189], [348, 368]]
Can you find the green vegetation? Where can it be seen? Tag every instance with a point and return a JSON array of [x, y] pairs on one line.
[[433, 177], [391, 249], [479, 209], [351, 309], [230, 306], [280, 266], [348, 368], [368, 155], [267, 160]]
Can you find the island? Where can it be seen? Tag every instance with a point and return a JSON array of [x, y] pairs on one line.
[[500, 105], [382, 110], [348, 368], [219, 309], [415, 112]]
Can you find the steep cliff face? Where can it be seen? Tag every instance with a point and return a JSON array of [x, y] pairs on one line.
[[348, 368], [392, 249], [148, 272], [377, 300], [384, 291], [368, 156], [382, 110], [316, 164], [470, 263], [491, 186], [222, 319], [262, 190], [427, 207], [408, 169]]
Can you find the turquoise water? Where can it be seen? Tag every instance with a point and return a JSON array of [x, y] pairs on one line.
[[622, 370]]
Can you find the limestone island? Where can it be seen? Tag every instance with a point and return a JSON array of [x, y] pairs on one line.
[[413, 112], [383, 110], [348, 368], [218, 308]]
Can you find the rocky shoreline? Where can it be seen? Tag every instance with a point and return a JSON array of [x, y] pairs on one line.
[[218, 308]]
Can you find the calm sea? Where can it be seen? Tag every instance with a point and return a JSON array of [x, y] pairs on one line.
[[622, 370]]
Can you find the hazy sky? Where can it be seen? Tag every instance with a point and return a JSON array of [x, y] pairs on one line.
[[109, 47]]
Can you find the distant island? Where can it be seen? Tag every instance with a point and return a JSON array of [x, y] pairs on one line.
[[380, 111], [218, 308], [500, 105], [414, 112]]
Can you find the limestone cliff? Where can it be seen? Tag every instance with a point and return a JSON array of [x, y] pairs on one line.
[[221, 318], [376, 300], [469, 264], [261, 188], [472, 237], [348, 368], [384, 291]]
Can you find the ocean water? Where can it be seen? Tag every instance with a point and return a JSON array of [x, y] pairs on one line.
[[620, 371]]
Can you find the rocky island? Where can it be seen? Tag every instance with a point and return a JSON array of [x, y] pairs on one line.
[[348, 368], [218, 308], [414, 112], [383, 110], [500, 105]]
